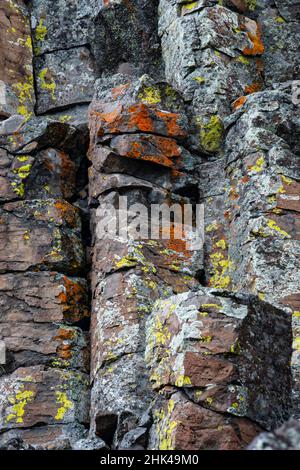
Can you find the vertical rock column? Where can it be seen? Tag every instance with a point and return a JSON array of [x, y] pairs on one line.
[[44, 382], [137, 150], [221, 61]]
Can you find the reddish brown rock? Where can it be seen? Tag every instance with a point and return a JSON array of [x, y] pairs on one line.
[[36, 395], [181, 425], [16, 53]]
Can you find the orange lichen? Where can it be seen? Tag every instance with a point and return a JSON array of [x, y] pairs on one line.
[[140, 118], [239, 102], [233, 195], [64, 351], [119, 90], [64, 334], [258, 48], [67, 212], [253, 88], [170, 121], [245, 179], [176, 242]]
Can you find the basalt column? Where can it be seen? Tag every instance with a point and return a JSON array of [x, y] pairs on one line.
[[137, 150], [169, 372]]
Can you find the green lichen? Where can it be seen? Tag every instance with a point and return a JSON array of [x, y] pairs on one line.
[[23, 171], [273, 226], [211, 134], [25, 92], [251, 4], [243, 60], [200, 80], [40, 31]]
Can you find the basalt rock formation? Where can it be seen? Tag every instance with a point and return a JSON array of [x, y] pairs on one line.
[[141, 343]]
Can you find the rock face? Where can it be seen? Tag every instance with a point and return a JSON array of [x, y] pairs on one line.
[[146, 339]]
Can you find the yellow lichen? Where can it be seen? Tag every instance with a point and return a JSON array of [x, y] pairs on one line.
[[211, 134], [273, 226], [25, 93], [199, 79], [296, 343], [18, 189], [221, 244], [210, 306], [26, 235], [22, 158], [66, 404], [221, 268], [190, 6], [279, 19], [125, 262], [206, 339], [165, 427], [19, 401], [286, 180], [23, 171], [40, 31], [211, 227], [150, 95], [28, 43], [65, 118], [257, 168], [183, 380], [47, 85], [243, 60]]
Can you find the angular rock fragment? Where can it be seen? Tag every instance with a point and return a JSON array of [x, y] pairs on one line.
[[42, 235], [16, 56], [37, 395], [43, 297], [216, 349], [54, 91], [181, 424]]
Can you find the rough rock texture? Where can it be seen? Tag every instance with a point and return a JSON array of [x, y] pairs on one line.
[[138, 341], [287, 437]]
